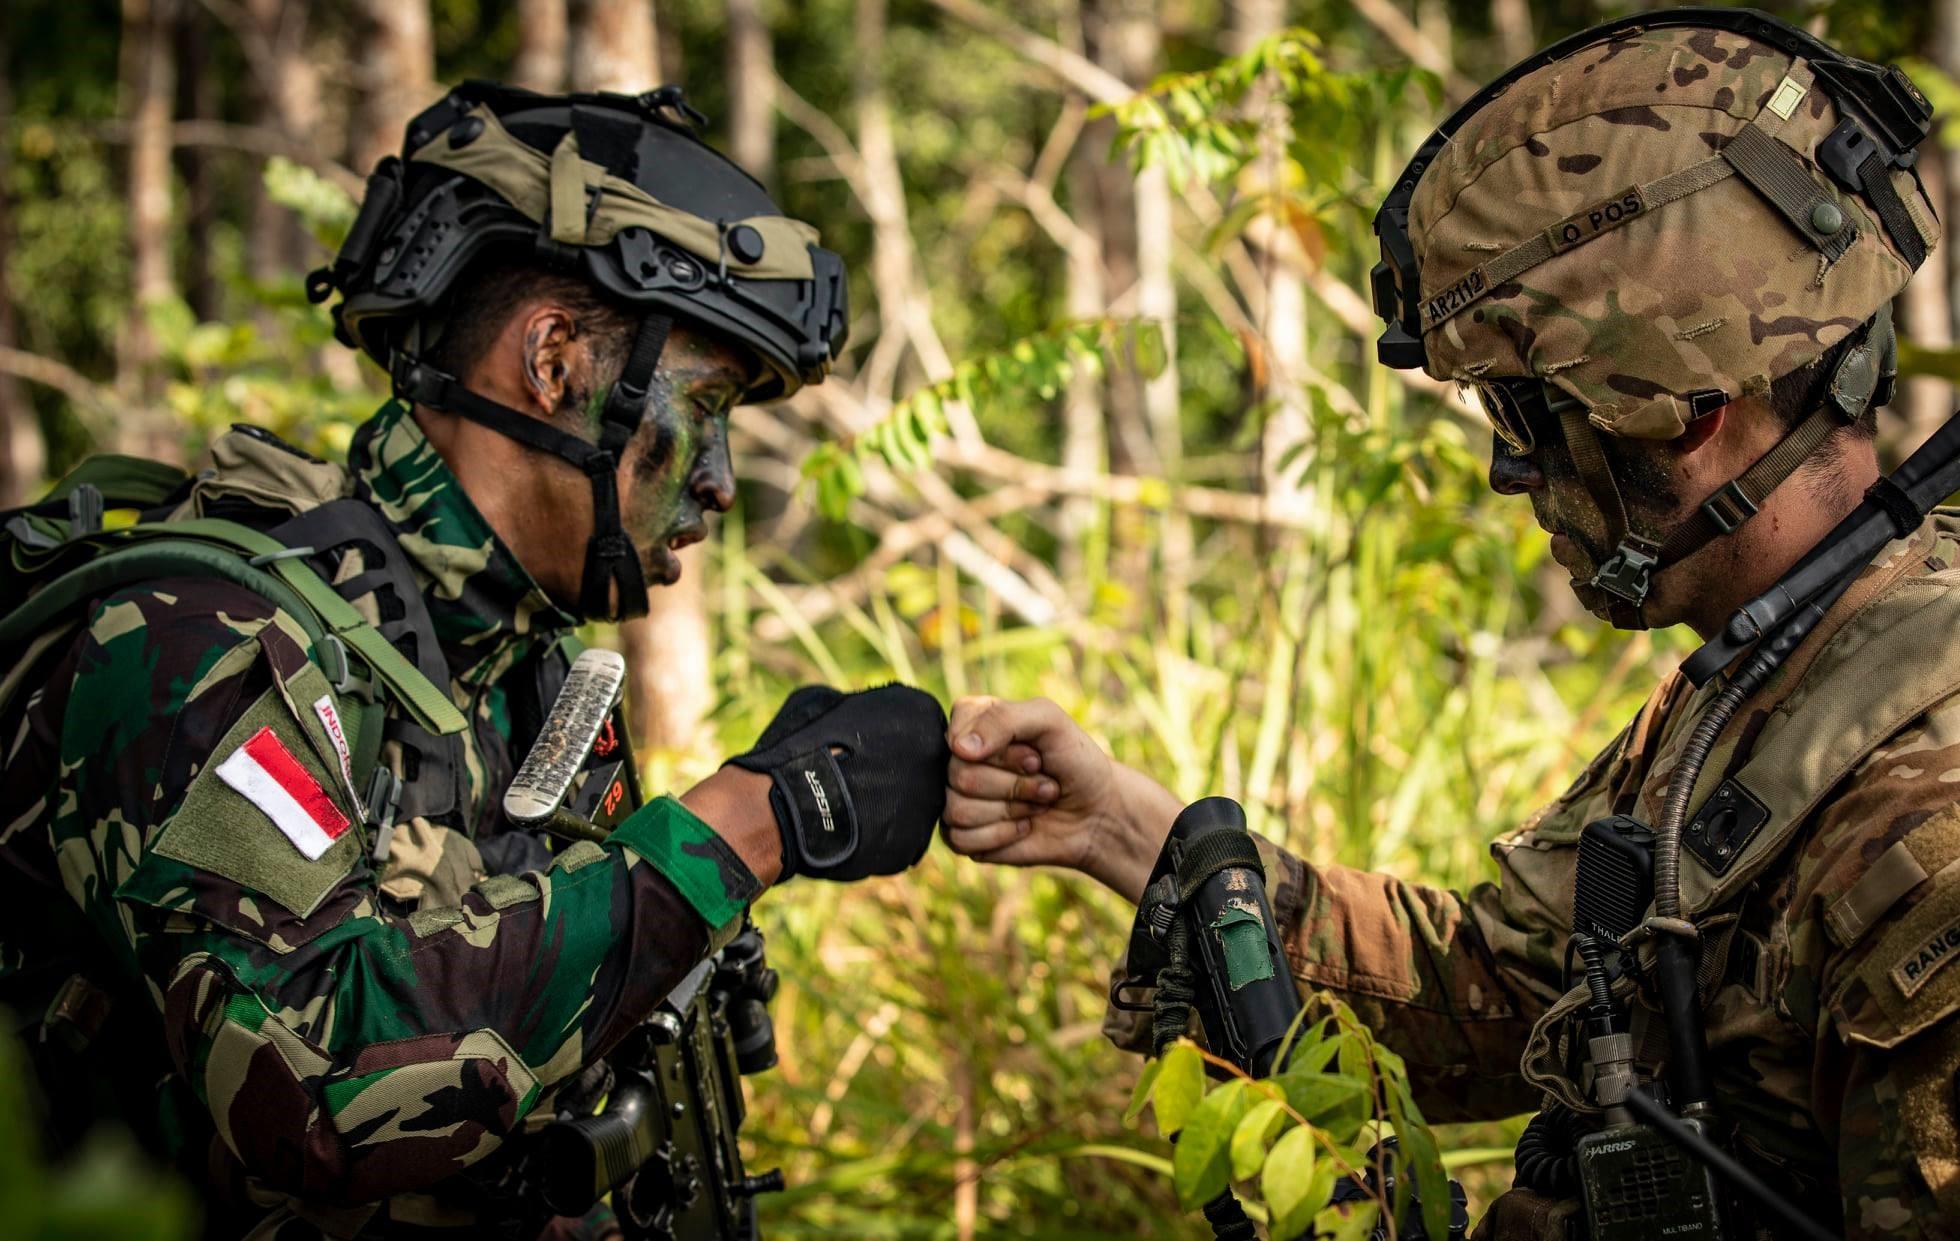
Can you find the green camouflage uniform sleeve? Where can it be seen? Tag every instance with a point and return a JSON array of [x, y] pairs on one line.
[[345, 1054], [1875, 927]]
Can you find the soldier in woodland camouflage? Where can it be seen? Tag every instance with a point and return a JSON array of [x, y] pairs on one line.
[[1604, 258], [344, 1036]]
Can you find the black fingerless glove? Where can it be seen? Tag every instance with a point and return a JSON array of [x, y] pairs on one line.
[[857, 780]]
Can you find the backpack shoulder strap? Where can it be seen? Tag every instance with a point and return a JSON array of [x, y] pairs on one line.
[[209, 547]]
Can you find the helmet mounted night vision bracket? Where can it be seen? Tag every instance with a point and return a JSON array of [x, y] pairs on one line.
[[1885, 117]]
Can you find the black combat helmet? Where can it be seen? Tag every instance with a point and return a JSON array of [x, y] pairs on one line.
[[617, 189]]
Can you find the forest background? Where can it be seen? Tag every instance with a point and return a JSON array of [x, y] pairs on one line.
[[1109, 429]]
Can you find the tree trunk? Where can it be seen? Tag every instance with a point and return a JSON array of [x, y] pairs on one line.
[[1512, 21], [1085, 438], [394, 76], [1138, 51], [1276, 386], [751, 90], [23, 454], [148, 85], [541, 36], [1130, 447], [197, 99], [287, 96], [614, 46]]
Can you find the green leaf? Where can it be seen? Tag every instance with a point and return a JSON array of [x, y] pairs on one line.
[[1315, 1052], [326, 209], [1333, 1101], [1201, 1166], [1295, 1188], [1141, 1095], [1180, 1084], [1255, 1133], [1420, 1155], [1302, 1038], [1348, 1221]]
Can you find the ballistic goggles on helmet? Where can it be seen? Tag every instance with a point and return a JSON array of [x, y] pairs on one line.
[[1524, 412]]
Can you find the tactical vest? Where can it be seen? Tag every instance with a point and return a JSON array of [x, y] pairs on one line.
[[1887, 658]]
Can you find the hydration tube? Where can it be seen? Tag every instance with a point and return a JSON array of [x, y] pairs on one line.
[[1762, 634]]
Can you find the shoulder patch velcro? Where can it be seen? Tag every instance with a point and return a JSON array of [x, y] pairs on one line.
[[578, 854], [254, 835], [503, 891], [1896, 981]]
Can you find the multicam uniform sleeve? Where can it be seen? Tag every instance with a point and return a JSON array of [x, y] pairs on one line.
[[1875, 929], [345, 1054], [1451, 982]]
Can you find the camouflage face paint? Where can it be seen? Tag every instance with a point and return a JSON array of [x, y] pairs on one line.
[[1566, 510], [677, 466]]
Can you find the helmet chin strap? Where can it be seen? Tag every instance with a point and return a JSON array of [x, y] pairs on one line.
[[1865, 374], [611, 561]]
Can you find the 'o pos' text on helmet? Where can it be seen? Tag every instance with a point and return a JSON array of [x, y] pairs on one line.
[[616, 189], [1648, 220]]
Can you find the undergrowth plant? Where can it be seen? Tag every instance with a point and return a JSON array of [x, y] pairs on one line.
[[1286, 1141]]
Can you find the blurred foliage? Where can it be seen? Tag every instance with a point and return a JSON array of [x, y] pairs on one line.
[[1034, 368], [1388, 683], [106, 1189]]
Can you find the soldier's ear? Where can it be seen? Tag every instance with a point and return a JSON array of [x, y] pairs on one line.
[[547, 341], [1703, 429]]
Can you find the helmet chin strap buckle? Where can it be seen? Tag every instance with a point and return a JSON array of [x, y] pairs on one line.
[[1729, 507], [1628, 573]]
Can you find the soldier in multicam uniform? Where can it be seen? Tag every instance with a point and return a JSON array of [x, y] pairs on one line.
[[352, 1013], [1640, 252]]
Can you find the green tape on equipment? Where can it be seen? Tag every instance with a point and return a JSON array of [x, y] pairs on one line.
[[1242, 934]]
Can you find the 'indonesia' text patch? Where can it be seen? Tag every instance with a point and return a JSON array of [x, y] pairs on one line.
[[274, 781]]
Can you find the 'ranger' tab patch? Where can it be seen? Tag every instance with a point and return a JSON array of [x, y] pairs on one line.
[[1927, 959], [268, 775]]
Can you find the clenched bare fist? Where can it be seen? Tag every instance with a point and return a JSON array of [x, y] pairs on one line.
[[1028, 787]]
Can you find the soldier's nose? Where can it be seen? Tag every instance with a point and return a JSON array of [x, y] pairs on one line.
[[1511, 474], [713, 483]]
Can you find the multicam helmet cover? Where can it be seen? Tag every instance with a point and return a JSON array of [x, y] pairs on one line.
[[1647, 222]]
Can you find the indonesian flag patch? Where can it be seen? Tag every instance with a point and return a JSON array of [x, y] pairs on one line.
[[266, 772]]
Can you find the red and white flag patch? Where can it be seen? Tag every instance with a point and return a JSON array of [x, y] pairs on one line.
[[266, 772]]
